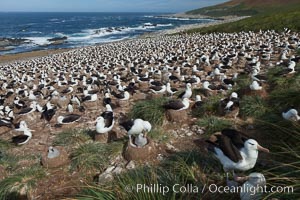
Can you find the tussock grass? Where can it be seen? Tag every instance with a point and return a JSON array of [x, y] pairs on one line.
[[283, 137], [93, 156], [279, 82], [4, 145], [150, 110], [283, 99], [158, 134], [9, 161], [242, 82], [209, 107], [21, 184], [253, 106], [183, 168], [213, 124], [71, 137]]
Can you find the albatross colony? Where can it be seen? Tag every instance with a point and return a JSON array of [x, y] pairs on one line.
[[82, 81]]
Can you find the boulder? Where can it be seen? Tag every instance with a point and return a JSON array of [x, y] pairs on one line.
[[140, 154], [177, 116], [5, 42], [61, 160]]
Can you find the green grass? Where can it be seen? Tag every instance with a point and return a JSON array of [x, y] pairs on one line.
[[159, 135], [93, 156], [209, 107], [149, 110], [72, 137], [213, 124], [253, 106], [4, 145], [220, 11], [21, 184], [9, 161], [243, 81], [275, 18], [283, 138], [183, 168]]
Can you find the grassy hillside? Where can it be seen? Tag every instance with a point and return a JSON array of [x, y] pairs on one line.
[[242, 7], [272, 18]]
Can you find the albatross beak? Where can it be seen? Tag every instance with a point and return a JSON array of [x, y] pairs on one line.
[[260, 148]]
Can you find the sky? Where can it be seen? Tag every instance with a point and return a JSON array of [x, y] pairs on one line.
[[104, 5]]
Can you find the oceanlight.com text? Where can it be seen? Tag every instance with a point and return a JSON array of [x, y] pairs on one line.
[[212, 188]]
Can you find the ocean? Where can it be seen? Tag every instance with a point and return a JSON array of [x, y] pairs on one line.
[[41, 30]]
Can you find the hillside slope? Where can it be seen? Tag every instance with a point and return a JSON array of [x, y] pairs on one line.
[[242, 7]]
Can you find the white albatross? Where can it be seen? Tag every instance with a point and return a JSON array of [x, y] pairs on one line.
[[235, 150]]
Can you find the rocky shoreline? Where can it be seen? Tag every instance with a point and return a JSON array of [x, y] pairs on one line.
[[8, 42]]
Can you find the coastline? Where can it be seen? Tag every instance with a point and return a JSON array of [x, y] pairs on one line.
[[7, 58], [29, 55], [183, 28]]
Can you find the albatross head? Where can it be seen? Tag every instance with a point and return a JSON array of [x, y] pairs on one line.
[[234, 95], [198, 98], [147, 126], [252, 146], [60, 119]]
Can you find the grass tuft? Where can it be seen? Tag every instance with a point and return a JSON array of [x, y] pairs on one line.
[[4, 145], [184, 168], [71, 137], [159, 135], [213, 124], [253, 106], [21, 184], [209, 107], [94, 156], [150, 110], [285, 98], [9, 161]]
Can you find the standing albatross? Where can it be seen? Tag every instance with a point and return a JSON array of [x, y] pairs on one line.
[[135, 127], [106, 121], [235, 150]]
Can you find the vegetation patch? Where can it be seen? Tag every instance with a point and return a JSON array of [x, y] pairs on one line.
[[72, 137], [213, 124], [158, 134], [184, 168], [253, 106], [21, 184], [264, 18], [209, 107], [93, 156], [150, 110]]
